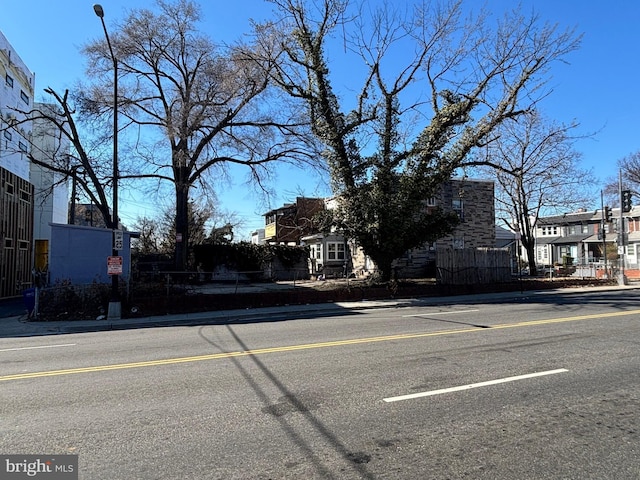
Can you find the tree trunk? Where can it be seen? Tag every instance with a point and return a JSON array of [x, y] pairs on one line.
[[182, 226], [383, 264], [531, 257]]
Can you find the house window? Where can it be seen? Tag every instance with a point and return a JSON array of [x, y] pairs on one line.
[[431, 202], [7, 135], [8, 80], [335, 251], [316, 252], [23, 245], [24, 97], [457, 204], [458, 243], [22, 146], [26, 196], [616, 225]]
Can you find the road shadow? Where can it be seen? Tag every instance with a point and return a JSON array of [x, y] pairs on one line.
[[301, 404], [12, 307]]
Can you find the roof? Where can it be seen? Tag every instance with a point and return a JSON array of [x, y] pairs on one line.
[[633, 237], [504, 234], [585, 217], [332, 236], [546, 240], [567, 218], [570, 239], [593, 239], [293, 206]]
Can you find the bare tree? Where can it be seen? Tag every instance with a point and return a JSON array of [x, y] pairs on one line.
[[149, 241], [84, 162], [537, 172], [195, 106], [207, 224], [629, 166], [477, 74]]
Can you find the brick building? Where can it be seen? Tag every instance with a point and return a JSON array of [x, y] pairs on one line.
[[289, 223]]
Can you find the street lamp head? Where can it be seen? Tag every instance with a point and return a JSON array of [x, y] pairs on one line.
[[98, 9]]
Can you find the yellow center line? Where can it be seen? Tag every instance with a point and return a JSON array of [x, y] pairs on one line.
[[308, 346]]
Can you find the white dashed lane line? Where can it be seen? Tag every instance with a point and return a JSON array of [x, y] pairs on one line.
[[430, 314], [17, 349], [473, 385]]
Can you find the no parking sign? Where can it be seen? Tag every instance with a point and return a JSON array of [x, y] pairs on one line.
[[114, 265]]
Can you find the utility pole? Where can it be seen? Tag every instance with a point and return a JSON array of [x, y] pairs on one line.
[[604, 235], [622, 280]]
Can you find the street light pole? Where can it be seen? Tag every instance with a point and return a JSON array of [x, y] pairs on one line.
[[115, 308]]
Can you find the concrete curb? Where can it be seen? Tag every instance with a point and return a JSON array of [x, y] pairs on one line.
[[17, 326]]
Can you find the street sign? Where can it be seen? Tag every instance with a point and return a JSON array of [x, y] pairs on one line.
[[114, 265], [118, 240]]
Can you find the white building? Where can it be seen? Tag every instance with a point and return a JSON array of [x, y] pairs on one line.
[[16, 190], [51, 191], [16, 92], [257, 237]]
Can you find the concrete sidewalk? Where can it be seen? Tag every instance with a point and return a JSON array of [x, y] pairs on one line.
[[19, 326]]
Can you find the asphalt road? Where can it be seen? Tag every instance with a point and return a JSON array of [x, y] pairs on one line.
[[544, 387]]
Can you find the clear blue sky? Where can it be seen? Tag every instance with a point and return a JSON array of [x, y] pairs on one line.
[[598, 87]]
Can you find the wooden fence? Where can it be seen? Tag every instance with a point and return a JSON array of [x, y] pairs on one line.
[[473, 266]]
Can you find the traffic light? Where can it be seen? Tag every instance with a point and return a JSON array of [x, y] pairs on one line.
[[608, 214], [626, 201]]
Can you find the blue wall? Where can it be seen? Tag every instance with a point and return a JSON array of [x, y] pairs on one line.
[[79, 254]]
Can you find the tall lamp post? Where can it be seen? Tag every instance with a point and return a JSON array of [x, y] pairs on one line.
[[115, 308]]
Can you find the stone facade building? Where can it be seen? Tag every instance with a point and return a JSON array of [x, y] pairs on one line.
[[473, 200]]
